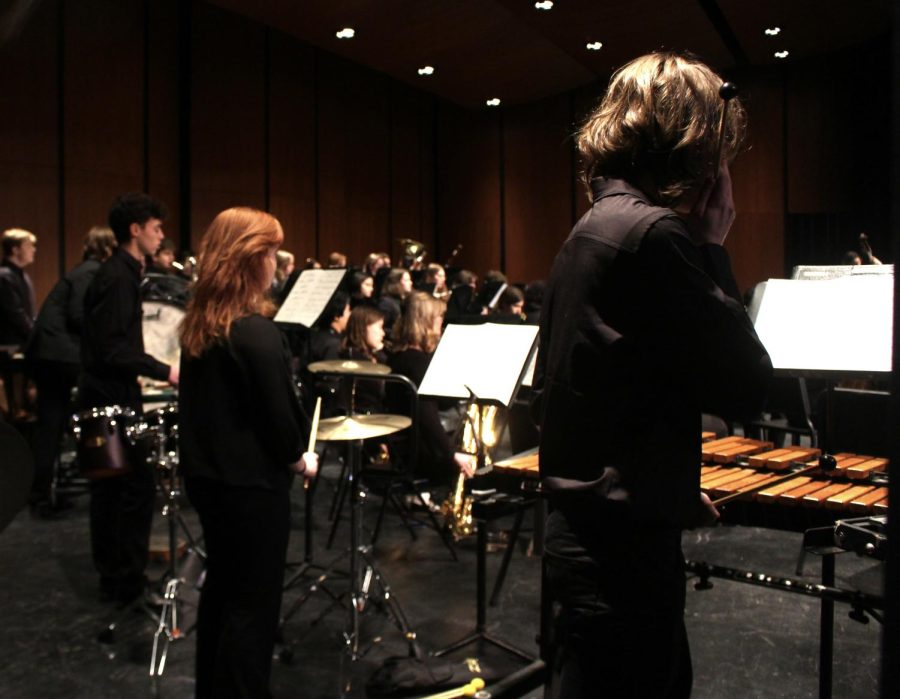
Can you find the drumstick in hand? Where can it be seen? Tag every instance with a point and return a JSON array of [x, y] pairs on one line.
[[312, 433]]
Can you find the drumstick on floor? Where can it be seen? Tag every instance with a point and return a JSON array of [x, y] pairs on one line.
[[467, 690], [312, 433]]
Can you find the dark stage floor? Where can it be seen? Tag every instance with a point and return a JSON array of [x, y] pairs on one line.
[[746, 641]]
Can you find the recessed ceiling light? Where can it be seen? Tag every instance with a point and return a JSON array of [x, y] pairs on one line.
[[781, 54], [495, 102], [545, 5], [345, 33], [426, 70], [594, 46], [774, 31]]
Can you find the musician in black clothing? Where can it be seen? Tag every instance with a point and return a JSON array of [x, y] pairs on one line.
[[54, 358], [17, 304], [242, 437], [642, 330], [364, 342], [113, 357], [415, 338]]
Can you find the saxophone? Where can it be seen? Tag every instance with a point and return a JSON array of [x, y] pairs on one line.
[[457, 509]]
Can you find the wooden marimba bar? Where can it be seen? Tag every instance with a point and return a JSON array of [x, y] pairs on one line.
[[856, 484]]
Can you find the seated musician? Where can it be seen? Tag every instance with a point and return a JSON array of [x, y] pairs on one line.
[[242, 434], [414, 340], [509, 308], [397, 286], [362, 289], [364, 342], [435, 281], [322, 343], [642, 330]]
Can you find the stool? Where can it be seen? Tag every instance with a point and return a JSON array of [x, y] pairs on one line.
[[484, 511]]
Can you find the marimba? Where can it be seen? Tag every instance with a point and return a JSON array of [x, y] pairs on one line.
[[853, 485]]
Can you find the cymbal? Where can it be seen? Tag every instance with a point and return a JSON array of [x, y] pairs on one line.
[[346, 428], [350, 366]]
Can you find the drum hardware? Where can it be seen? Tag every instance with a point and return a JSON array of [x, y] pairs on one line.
[[160, 428], [367, 585], [354, 430], [102, 436]]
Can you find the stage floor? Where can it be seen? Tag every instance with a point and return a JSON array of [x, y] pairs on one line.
[[746, 641]]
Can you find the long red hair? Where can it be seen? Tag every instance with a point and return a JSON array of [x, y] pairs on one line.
[[232, 279]]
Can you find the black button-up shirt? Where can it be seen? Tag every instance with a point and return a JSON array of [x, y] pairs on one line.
[[112, 347]]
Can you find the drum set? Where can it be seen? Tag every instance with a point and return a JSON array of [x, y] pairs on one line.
[[107, 442]]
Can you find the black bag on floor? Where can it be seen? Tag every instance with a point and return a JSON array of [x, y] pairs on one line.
[[404, 677]]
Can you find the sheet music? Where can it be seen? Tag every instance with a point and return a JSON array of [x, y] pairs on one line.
[[528, 379], [309, 296], [836, 325], [488, 358]]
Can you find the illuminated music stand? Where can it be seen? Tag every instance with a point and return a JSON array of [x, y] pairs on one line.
[[484, 364], [848, 312]]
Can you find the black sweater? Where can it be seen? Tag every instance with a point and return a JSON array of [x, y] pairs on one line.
[[240, 422], [641, 331]]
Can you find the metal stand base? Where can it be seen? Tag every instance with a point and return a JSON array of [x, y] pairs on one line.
[[480, 632]]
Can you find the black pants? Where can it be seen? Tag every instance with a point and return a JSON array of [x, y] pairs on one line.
[[246, 534], [54, 381], [620, 622], [121, 515]]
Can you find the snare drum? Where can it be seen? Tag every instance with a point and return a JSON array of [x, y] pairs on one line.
[[102, 436]]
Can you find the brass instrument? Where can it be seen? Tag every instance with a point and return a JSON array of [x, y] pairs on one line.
[[480, 428], [414, 253]]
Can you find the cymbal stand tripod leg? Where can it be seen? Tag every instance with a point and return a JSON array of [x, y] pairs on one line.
[[168, 629], [365, 579]]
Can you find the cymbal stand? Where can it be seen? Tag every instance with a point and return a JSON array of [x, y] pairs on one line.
[[367, 584], [168, 629], [364, 574]]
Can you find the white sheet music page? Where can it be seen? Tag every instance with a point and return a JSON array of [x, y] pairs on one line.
[[487, 358], [309, 296], [834, 325]]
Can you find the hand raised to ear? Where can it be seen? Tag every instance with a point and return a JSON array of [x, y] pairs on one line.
[[713, 213]]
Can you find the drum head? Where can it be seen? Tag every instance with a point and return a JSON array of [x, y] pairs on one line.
[[160, 322]]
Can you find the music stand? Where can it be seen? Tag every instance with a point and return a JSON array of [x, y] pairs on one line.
[[857, 305], [484, 364]]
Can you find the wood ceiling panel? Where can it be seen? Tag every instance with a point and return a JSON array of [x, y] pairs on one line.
[[509, 49], [626, 28], [808, 27], [478, 47]]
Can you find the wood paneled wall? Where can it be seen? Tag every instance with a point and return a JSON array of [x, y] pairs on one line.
[[30, 157], [206, 109]]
